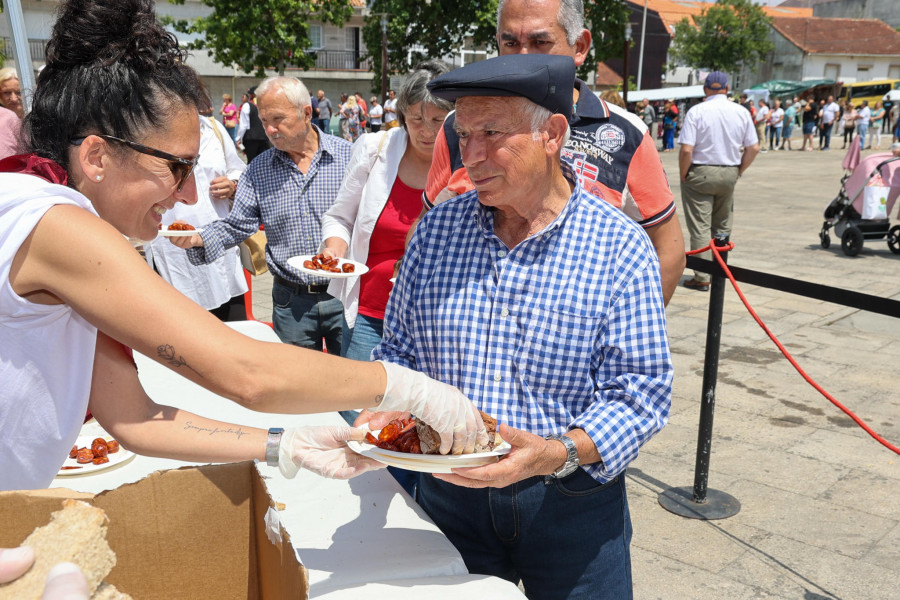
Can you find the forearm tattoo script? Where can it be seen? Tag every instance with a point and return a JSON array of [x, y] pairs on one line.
[[167, 353], [189, 426]]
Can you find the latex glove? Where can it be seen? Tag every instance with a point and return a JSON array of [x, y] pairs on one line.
[[65, 581], [324, 451], [442, 406]]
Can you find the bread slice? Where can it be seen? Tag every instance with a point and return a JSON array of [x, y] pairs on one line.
[[76, 534]]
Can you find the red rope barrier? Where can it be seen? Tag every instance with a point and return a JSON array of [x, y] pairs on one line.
[[715, 250]]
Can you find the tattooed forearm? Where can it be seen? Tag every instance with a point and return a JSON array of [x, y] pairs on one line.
[[168, 354], [189, 425]]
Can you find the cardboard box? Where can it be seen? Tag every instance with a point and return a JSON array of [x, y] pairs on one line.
[[195, 532]]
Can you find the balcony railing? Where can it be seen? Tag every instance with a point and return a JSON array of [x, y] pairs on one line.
[[341, 60], [344, 60], [35, 47]]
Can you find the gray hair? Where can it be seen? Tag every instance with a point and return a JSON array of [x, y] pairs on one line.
[[570, 17], [294, 90], [414, 91], [536, 116]]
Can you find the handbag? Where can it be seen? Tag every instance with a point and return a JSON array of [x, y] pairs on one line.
[[875, 199], [253, 253], [253, 249]]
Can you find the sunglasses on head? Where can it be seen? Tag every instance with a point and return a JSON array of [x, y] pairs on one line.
[[181, 167]]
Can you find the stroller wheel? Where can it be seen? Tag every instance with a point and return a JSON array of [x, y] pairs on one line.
[[825, 239], [852, 241], [893, 239]]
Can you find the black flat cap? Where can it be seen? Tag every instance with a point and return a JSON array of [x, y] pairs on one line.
[[545, 79]]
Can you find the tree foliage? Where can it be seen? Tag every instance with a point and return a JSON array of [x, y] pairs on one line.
[[418, 29], [256, 35], [725, 36]]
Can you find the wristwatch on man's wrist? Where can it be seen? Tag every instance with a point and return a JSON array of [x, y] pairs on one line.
[[571, 456], [273, 442]]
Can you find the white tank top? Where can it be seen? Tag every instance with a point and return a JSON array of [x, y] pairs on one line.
[[46, 352]]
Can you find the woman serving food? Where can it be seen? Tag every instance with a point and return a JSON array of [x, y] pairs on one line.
[[114, 138]]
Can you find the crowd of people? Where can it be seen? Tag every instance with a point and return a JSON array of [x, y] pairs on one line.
[[520, 237], [779, 122]]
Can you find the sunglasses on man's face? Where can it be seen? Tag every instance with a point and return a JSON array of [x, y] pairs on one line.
[[181, 167]]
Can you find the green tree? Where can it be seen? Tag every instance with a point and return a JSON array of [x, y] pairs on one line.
[[419, 29], [725, 36], [256, 35]]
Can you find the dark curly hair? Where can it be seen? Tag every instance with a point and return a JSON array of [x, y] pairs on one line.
[[111, 68]]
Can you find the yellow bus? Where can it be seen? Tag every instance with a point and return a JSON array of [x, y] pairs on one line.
[[873, 91]]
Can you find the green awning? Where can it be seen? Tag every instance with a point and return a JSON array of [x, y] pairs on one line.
[[785, 87]]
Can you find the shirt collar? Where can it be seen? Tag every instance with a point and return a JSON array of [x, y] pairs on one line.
[[484, 215], [589, 106], [327, 145], [714, 96]]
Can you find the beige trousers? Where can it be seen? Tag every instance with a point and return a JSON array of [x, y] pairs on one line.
[[707, 196]]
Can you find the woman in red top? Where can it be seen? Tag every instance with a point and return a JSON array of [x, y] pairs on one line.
[[380, 198]]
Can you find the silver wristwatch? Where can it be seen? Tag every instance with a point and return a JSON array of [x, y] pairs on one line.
[[273, 441], [571, 456]]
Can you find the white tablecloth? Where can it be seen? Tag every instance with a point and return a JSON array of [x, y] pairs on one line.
[[360, 536]]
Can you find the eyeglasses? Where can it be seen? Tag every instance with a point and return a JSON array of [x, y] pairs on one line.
[[181, 167]]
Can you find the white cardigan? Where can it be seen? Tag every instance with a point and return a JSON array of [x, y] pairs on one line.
[[364, 192]]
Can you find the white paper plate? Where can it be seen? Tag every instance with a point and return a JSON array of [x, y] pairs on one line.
[[428, 463], [115, 459], [167, 233], [297, 263]]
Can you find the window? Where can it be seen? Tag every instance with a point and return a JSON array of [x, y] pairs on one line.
[[863, 72], [894, 72], [315, 37], [778, 70], [833, 72]]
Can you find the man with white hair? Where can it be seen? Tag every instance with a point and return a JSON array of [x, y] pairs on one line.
[[286, 189], [543, 304]]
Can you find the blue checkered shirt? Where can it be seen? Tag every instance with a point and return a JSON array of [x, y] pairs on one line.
[[273, 192], [566, 330]]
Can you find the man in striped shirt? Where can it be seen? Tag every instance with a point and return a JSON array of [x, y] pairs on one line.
[[543, 304]]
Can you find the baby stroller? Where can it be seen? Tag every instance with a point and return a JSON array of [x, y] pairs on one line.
[[862, 207]]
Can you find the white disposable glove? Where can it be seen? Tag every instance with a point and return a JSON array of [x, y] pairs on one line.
[[324, 451], [442, 406]]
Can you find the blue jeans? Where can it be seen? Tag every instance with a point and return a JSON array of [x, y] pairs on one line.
[[861, 131], [306, 320], [565, 539], [826, 134], [669, 139], [358, 343], [774, 137]]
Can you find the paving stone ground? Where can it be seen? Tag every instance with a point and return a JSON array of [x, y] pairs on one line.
[[820, 499]]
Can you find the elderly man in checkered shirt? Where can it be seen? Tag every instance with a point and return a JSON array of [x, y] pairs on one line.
[[287, 189], [543, 303]]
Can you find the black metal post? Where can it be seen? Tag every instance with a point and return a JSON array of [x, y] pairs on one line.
[[701, 502]]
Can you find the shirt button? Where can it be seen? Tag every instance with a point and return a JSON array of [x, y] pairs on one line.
[[501, 253], [504, 312], [498, 377]]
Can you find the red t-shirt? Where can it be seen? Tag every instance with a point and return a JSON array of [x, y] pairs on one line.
[[386, 247]]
